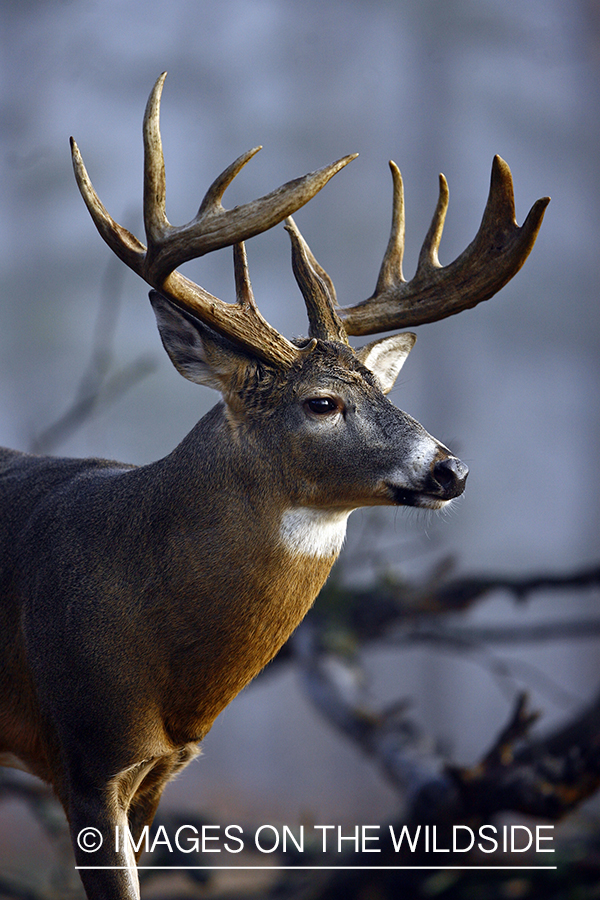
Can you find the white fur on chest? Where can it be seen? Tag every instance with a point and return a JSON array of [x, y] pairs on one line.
[[313, 532]]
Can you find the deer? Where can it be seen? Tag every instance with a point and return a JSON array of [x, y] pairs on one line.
[[137, 601]]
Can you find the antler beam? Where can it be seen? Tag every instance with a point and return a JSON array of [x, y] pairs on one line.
[[496, 254]]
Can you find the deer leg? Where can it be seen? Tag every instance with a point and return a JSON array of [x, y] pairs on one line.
[[143, 809], [147, 796], [103, 853]]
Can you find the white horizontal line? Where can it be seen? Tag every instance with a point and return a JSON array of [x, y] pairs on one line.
[[319, 868]]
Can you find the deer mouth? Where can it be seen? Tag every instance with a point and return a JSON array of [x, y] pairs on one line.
[[419, 499]]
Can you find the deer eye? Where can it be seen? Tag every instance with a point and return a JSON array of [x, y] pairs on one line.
[[321, 406]]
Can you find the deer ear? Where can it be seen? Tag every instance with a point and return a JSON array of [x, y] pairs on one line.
[[385, 357], [197, 352]]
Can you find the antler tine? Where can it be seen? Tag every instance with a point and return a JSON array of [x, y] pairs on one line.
[[317, 289], [124, 244], [391, 267], [496, 254], [428, 257], [214, 195], [243, 288], [212, 228], [156, 223]]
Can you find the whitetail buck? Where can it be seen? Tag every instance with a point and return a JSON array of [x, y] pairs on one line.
[[137, 602]]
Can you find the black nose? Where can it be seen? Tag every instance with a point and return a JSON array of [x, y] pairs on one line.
[[451, 475]]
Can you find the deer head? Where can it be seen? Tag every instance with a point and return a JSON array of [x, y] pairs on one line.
[[232, 348]]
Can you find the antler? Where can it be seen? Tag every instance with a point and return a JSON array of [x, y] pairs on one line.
[[317, 289], [212, 228], [496, 254]]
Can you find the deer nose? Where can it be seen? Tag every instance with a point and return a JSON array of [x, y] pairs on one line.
[[451, 475]]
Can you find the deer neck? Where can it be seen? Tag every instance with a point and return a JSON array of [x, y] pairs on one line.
[[272, 555], [248, 502]]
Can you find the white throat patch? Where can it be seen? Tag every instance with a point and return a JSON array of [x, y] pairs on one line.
[[313, 532]]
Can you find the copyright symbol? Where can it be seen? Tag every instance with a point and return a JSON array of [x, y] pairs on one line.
[[89, 840]]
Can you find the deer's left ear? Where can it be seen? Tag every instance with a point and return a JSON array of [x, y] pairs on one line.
[[386, 356], [197, 352]]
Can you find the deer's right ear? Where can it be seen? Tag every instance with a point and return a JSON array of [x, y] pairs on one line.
[[197, 352], [386, 356]]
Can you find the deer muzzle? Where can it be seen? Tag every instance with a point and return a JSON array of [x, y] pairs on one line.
[[443, 480]]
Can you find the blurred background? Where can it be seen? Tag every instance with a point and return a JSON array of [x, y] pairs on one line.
[[511, 386]]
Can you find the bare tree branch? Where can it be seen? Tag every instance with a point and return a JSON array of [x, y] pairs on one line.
[[544, 777], [97, 388]]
